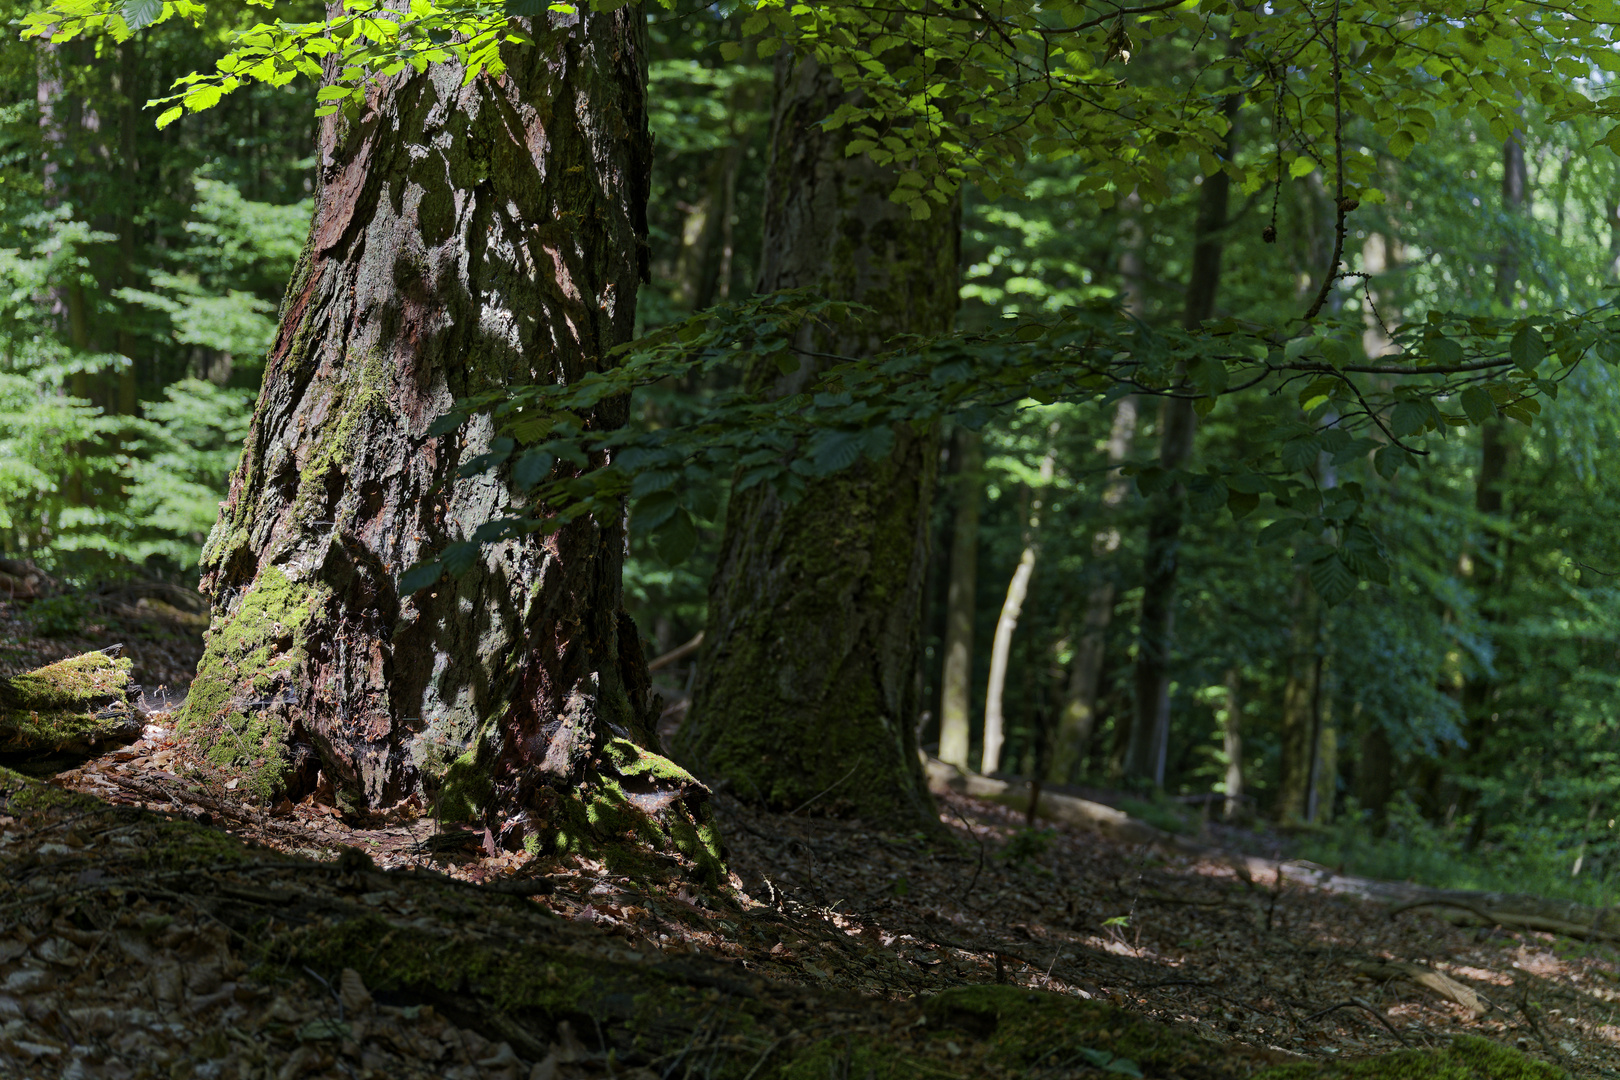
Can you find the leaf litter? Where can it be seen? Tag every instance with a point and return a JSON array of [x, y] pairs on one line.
[[1243, 951], [109, 970]]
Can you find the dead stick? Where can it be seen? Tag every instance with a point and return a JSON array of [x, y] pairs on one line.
[[1360, 1004]]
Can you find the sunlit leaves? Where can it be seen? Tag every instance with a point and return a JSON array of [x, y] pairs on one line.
[[859, 407]]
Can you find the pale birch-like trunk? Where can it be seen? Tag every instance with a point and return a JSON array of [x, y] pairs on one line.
[[1232, 742], [1012, 606], [956, 694]]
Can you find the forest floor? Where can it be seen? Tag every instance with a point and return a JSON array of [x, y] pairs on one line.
[[1236, 948]]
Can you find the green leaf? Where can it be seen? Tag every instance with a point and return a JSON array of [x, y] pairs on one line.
[[1248, 483], [459, 557], [832, 451], [1527, 349], [1152, 479], [1279, 530], [1210, 375], [531, 468], [674, 540], [447, 423], [1206, 494], [420, 577], [139, 14], [1333, 581], [1443, 351], [654, 510], [878, 442], [1241, 503], [1388, 461], [323, 1028], [1299, 454], [491, 532], [1408, 418], [653, 480], [1104, 1060], [1477, 404]]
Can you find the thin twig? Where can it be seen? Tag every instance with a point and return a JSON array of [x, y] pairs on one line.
[[1341, 205], [1360, 1004], [846, 776]]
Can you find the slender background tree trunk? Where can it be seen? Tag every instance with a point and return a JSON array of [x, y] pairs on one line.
[[1012, 606], [956, 681], [1077, 720], [1150, 728], [1232, 741], [806, 688]]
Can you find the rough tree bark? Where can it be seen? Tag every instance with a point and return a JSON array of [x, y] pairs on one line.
[[956, 694], [806, 690], [465, 238]]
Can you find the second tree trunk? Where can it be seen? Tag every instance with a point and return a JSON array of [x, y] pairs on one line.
[[807, 688]]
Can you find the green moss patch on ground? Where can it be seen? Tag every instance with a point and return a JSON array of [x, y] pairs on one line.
[[72, 705], [1469, 1057]]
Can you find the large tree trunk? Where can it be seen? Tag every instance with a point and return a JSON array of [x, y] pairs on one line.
[[465, 238], [956, 693], [807, 689]]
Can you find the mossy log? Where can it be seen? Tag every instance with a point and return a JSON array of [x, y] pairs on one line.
[[577, 1002], [71, 706]]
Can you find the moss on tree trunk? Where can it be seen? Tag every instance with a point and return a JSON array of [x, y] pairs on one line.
[[807, 685], [468, 236]]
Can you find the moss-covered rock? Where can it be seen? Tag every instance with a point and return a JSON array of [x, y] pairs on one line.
[[73, 705]]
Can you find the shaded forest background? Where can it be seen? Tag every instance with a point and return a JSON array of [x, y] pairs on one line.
[[1458, 723]]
